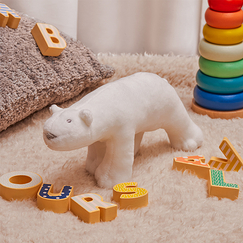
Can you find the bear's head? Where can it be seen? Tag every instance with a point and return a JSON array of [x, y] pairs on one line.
[[68, 129]]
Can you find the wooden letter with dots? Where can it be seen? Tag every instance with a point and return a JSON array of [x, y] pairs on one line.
[[130, 196], [219, 188], [56, 202]]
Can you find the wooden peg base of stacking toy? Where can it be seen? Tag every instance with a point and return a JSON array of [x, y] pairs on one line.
[[194, 164], [216, 114]]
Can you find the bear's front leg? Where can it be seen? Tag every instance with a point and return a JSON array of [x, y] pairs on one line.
[[116, 166], [96, 153]]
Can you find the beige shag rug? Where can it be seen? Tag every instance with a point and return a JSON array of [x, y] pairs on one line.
[[179, 209]]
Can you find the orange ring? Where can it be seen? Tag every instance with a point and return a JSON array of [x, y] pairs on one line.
[[223, 20]]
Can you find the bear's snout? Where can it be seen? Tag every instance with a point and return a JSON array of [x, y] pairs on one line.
[[50, 135]]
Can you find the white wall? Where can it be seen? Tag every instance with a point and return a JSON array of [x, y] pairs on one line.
[[156, 26]]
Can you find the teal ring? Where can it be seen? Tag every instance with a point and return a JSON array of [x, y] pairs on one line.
[[219, 85], [218, 102], [221, 69]]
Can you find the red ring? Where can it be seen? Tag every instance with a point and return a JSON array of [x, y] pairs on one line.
[[222, 20], [225, 5]]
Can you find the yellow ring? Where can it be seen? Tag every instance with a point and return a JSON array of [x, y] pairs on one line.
[[220, 53], [223, 36]]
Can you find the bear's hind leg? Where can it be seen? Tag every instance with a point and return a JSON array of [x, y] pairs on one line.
[[183, 133], [96, 153], [187, 138]]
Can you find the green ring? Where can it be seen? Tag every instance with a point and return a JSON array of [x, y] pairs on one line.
[[221, 69]]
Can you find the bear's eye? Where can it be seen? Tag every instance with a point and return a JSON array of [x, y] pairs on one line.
[[69, 120]]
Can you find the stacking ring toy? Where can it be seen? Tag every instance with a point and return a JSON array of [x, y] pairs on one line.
[[221, 69], [225, 5], [221, 20], [219, 85], [220, 53], [218, 102], [223, 36]]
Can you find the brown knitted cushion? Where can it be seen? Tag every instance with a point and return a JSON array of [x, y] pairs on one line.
[[29, 81]]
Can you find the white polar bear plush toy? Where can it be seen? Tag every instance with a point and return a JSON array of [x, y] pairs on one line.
[[112, 119]]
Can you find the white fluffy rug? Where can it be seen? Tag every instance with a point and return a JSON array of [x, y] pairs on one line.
[[179, 209]]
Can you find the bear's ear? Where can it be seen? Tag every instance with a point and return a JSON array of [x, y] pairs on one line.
[[54, 108], [86, 116]]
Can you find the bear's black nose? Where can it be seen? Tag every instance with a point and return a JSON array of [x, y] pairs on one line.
[[50, 136]]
